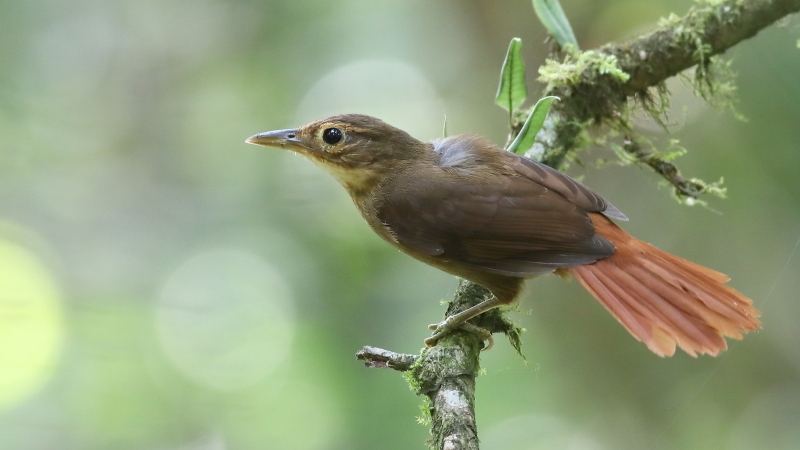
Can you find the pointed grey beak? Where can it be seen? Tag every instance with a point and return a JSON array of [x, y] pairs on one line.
[[278, 138]]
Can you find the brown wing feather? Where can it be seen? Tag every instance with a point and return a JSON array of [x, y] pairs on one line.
[[469, 151], [493, 218], [575, 192]]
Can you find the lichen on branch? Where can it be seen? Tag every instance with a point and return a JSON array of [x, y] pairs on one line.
[[686, 190], [598, 87], [709, 28]]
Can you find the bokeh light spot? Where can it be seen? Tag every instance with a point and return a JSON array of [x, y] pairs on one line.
[[537, 432], [393, 91], [770, 421], [225, 319], [270, 420], [31, 326]]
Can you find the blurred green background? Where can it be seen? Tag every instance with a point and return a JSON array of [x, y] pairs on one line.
[[165, 286]]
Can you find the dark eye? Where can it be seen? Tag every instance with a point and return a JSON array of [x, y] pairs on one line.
[[332, 136]]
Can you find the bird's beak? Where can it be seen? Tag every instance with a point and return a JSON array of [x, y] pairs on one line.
[[279, 139]]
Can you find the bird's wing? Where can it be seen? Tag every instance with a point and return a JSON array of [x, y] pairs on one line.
[[575, 192], [509, 224], [466, 150]]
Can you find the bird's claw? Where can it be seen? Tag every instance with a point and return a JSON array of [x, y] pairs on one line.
[[447, 326]]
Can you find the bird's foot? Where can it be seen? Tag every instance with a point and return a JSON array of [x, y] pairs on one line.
[[449, 325]]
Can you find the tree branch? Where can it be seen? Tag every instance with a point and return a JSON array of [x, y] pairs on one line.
[[592, 94], [446, 373], [685, 187], [708, 29], [378, 358]]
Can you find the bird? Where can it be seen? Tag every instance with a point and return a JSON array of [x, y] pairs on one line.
[[469, 208]]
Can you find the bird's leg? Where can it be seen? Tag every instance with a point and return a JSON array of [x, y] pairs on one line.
[[459, 320]]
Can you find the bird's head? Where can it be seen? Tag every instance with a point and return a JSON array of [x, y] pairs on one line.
[[357, 150]]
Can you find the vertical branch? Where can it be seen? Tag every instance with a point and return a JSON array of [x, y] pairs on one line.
[[445, 374]]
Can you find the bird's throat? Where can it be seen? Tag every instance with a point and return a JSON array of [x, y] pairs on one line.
[[356, 180]]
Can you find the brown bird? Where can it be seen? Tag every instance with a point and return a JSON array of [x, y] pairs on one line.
[[465, 206]]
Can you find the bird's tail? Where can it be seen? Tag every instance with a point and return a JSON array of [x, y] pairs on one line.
[[663, 300]]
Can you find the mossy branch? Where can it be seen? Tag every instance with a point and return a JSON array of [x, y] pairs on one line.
[[445, 374], [378, 358], [684, 188], [596, 86], [711, 27]]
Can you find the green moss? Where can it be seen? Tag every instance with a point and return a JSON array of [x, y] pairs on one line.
[[415, 385], [715, 82], [580, 67], [713, 77], [710, 2], [592, 81], [669, 21], [714, 188], [425, 412], [592, 86], [673, 151], [505, 325], [655, 102], [409, 375], [452, 356], [453, 360], [639, 149], [514, 335], [712, 80]]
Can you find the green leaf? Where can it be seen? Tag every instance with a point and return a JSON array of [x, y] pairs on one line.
[[524, 140], [553, 18], [512, 92]]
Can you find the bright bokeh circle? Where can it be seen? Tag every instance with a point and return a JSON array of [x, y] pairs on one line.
[[31, 325], [226, 319]]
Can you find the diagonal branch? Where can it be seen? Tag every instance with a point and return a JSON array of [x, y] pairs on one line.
[[595, 86], [708, 29], [683, 186]]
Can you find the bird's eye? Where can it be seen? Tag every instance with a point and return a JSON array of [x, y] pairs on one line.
[[332, 136]]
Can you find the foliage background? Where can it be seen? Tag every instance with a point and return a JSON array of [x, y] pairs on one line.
[[165, 286]]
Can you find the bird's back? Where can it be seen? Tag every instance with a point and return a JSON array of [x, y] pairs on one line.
[[474, 208]]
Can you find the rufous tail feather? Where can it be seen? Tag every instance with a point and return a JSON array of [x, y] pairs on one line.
[[663, 300]]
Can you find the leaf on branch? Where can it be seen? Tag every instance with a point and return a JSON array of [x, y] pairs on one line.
[[554, 19], [512, 92], [524, 140]]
